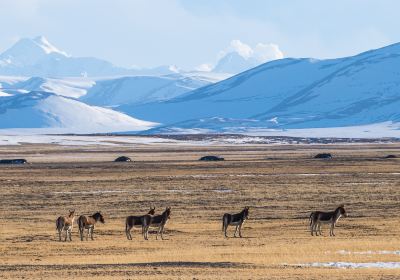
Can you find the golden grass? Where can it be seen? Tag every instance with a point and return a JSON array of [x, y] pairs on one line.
[[281, 184]]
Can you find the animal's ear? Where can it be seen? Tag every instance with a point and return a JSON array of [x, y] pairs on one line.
[[342, 205], [246, 207]]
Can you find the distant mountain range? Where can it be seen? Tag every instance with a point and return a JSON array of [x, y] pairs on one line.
[[37, 57], [289, 93], [281, 95]]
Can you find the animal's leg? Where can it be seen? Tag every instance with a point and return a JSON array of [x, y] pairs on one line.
[[70, 234], [158, 232], [81, 233], [312, 229], [59, 235], [145, 234], [129, 234], [236, 229], [240, 230], [91, 233], [332, 228], [162, 231], [66, 235], [316, 229], [225, 231]]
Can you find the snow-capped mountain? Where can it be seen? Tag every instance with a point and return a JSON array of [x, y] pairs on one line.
[[233, 62], [47, 112], [28, 52], [291, 93], [38, 57]]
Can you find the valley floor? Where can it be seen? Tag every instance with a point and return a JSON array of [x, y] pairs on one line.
[[280, 183]]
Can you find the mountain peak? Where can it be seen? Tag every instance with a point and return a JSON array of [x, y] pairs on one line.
[[27, 51]]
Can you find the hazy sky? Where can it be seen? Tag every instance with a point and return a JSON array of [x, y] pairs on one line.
[[192, 32]]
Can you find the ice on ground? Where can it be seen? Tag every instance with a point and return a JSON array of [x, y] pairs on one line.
[[346, 265], [382, 252]]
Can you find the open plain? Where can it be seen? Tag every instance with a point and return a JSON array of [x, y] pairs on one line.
[[280, 183]]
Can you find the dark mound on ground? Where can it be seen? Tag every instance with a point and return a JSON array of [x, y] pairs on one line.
[[122, 159], [211, 158], [390, 156], [323, 155], [13, 161]]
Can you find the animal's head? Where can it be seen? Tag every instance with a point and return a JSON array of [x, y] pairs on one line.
[[168, 212], [71, 213], [152, 210], [342, 211], [246, 212], [99, 217]]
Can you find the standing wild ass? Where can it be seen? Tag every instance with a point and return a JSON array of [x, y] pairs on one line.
[[158, 221], [235, 220], [65, 224], [137, 221], [88, 223], [318, 217]]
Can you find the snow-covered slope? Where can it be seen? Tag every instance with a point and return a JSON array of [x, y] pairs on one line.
[[141, 89], [68, 87], [111, 91], [53, 113], [291, 93]]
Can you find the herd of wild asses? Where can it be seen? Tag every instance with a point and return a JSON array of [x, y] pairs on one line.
[[65, 223]]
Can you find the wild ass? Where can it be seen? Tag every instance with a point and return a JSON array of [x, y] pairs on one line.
[[235, 220], [158, 221], [88, 223], [137, 221], [65, 224], [318, 217]]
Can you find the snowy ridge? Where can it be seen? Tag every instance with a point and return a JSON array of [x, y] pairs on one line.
[[43, 110], [141, 89]]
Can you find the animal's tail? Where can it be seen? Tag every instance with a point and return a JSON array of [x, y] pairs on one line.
[[59, 223], [224, 218], [80, 223]]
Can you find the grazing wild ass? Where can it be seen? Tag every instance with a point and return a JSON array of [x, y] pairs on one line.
[[88, 223], [235, 220], [65, 224], [137, 221], [158, 221], [317, 218]]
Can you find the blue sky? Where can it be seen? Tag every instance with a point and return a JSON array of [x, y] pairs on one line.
[[192, 32]]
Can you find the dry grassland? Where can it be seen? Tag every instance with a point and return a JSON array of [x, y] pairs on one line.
[[281, 184]]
